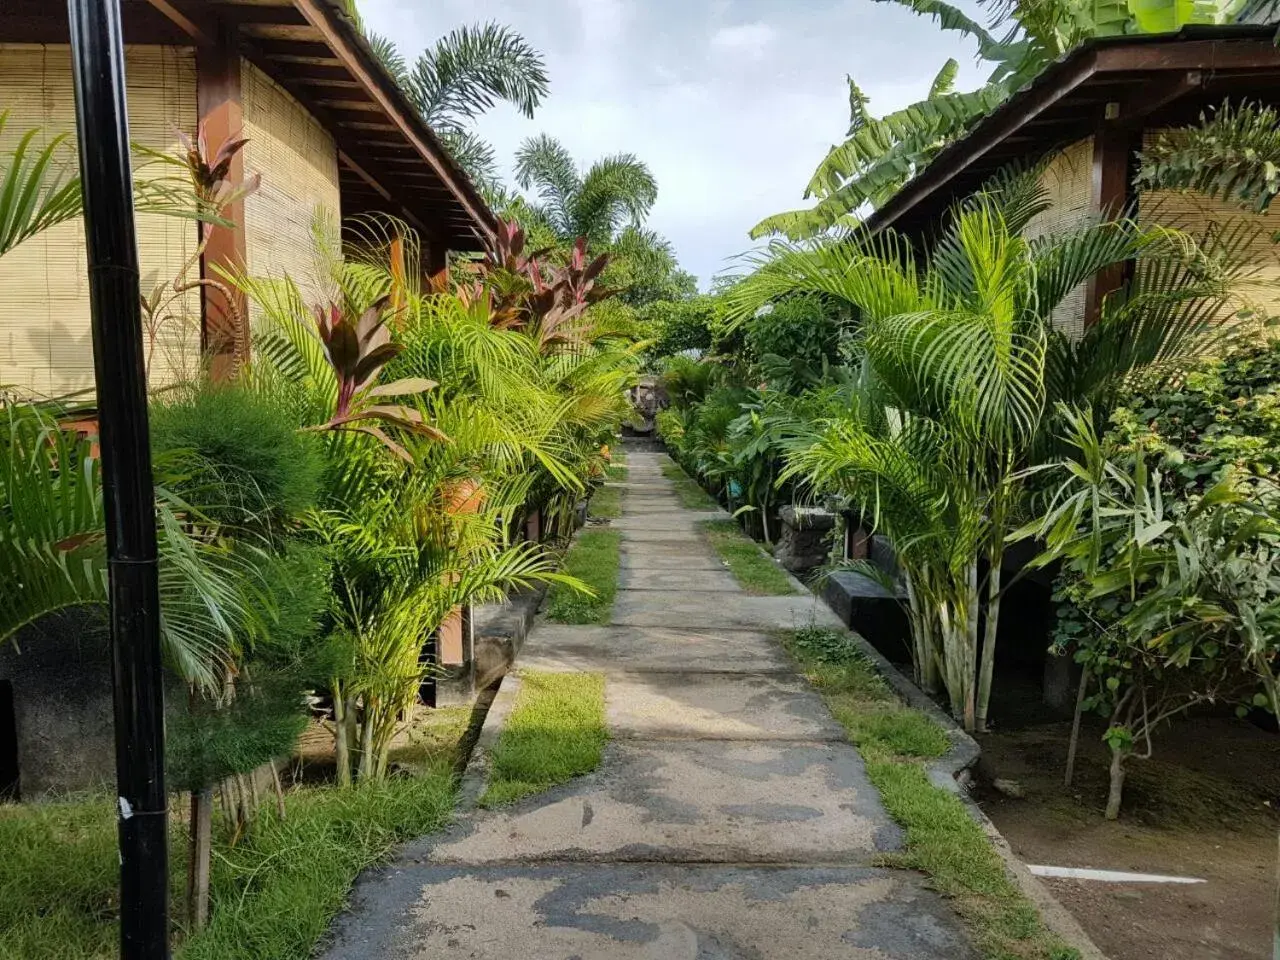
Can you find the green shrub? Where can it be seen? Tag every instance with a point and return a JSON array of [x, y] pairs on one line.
[[237, 455], [795, 342]]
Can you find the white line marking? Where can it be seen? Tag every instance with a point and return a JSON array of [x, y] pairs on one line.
[[1108, 876]]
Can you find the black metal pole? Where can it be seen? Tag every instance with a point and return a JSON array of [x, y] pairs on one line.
[[98, 65]]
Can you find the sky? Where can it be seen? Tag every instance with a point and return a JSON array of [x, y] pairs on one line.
[[731, 103]]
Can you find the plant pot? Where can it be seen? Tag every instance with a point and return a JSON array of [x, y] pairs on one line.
[[462, 497]]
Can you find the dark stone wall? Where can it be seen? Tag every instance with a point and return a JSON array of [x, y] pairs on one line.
[[60, 672]]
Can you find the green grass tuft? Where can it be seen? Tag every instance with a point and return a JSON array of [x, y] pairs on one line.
[[273, 894], [593, 559], [692, 496], [556, 732], [942, 839], [606, 503], [755, 571]]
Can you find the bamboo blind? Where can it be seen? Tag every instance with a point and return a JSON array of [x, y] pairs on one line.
[[45, 345], [298, 161], [1068, 180], [1259, 288]]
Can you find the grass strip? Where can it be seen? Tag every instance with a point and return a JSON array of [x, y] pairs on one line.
[[691, 495], [942, 839], [593, 559], [617, 468], [754, 570], [273, 894], [606, 503], [556, 732]]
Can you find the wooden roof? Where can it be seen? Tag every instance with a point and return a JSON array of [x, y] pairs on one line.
[[1144, 81], [389, 158]]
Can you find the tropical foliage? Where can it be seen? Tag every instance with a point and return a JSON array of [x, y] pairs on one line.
[[462, 76], [955, 370], [1019, 39]]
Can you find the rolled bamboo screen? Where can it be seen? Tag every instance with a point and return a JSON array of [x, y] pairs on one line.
[[298, 161], [1068, 180], [45, 345]]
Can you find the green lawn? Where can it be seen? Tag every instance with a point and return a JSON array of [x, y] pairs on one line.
[[942, 840], [606, 503], [754, 570], [556, 731], [273, 894], [691, 495], [593, 559]]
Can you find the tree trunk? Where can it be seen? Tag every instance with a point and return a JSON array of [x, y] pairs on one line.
[[365, 771], [989, 636], [1116, 791], [1074, 743], [341, 738], [199, 850], [970, 650]]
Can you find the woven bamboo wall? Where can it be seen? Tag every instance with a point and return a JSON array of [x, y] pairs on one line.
[[1193, 212], [45, 345], [1068, 179], [298, 161]]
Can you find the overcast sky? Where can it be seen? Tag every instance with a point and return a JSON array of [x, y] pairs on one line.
[[731, 103]]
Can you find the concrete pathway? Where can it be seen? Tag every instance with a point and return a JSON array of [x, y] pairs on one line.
[[730, 820]]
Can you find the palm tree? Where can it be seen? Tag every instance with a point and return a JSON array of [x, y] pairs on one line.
[[614, 192], [462, 76], [960, 366]]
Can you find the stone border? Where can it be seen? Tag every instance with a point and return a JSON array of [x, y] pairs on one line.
[[951, 772], [475, 775]]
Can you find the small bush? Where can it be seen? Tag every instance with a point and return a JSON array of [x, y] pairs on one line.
[[236, 455]]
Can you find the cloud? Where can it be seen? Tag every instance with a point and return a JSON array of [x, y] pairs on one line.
[[731, 134], [748, 38]]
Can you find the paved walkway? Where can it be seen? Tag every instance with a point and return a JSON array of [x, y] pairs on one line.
[[730, 819]]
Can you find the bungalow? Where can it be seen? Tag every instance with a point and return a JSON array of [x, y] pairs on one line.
[[329, 130], [1087, 117]]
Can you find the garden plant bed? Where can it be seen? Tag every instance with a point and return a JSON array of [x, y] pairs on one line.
[[1205, 806]]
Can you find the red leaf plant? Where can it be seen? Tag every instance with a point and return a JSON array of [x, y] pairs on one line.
[[358, 349], [519, 293]]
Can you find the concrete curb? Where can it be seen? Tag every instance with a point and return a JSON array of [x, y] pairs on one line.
[[475, 775], [951, 772]]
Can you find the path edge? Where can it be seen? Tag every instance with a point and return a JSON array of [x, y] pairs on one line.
[[951, 772]]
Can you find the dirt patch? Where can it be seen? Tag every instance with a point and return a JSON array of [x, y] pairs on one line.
[[1204, 806]]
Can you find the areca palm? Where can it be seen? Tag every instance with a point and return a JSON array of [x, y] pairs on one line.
[[53, 550], [960, 362]]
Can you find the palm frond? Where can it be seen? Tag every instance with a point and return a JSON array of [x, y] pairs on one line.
[[470, 69], [37, 191]]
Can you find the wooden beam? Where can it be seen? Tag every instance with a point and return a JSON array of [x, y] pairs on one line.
[[1111, 194], [396, 208], [1182, 54], [199, 29], [1008, 119], [1151, 95], [318, 14], [224, 317]]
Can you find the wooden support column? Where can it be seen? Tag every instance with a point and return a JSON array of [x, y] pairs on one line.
[[1115, 147], [224, 317], [435, 263]]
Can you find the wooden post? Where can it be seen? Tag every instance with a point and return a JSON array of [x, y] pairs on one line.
[[1115, 148], [435, 261], [224, 318]]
